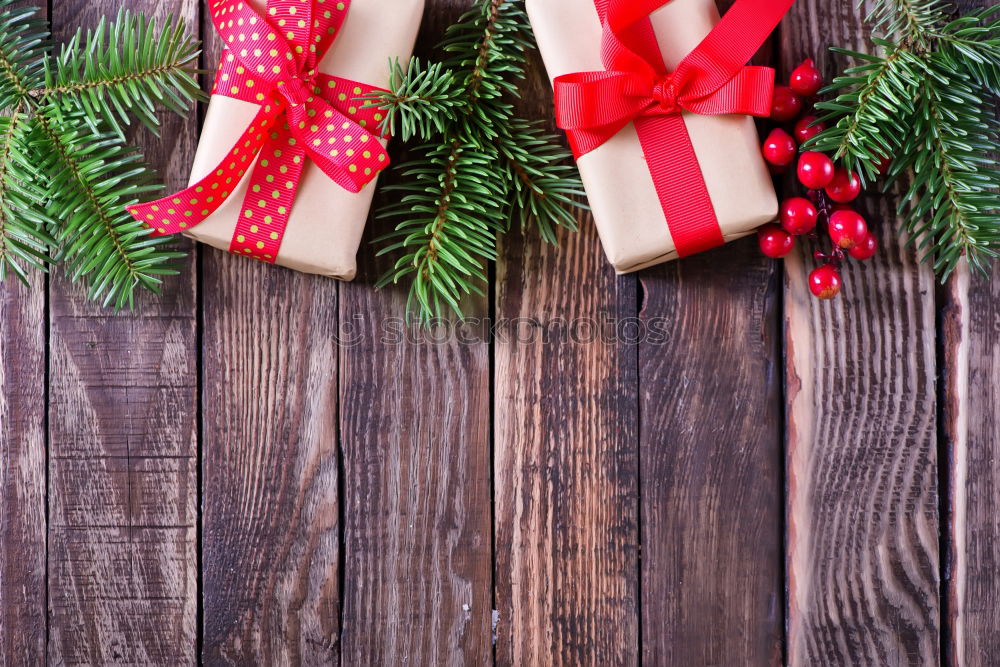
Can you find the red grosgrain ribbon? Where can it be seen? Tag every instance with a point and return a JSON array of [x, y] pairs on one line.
[[636, 87], [272, 62]]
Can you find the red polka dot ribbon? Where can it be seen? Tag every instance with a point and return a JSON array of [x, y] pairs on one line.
[[272, 61], [635, 87]]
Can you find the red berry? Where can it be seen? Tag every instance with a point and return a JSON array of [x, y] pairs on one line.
[[779, 148], [806, 79], [815, 170], [798, 215], [866, 249], [774, 241], [824, 282], [786, 105], [806, 130], [847, 229], [845, 186]]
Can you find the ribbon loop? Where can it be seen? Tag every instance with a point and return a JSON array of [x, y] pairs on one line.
[[636, 87], [271, 61]]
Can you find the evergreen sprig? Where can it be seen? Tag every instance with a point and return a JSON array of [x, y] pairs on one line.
[[926, 100], [67, 174], [480, 169]]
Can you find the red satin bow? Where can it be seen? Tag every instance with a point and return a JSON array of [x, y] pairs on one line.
[[636, 87], [272, 62]]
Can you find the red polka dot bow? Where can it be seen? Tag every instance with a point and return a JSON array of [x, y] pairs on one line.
[[272, 61]]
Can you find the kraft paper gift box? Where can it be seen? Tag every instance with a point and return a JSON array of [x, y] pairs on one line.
[[626, 209], [326, 221]]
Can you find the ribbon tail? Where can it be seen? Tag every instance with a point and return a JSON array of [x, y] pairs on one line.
[[269, 198], [192, 206], [679, 183]]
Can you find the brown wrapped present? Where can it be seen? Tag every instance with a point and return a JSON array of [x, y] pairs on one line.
[[627, 206], [323, 207]]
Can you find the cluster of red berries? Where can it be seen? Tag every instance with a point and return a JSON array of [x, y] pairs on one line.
[[830, 189]]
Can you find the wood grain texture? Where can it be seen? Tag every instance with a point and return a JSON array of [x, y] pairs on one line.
[[711, 457], [415, 422], [565, 466], [415, 427], [710, 407], [123, 451], [271, 549], [22, 473], [270, 542], [565, 447], [862, 514], [971, 342], [23, 451]]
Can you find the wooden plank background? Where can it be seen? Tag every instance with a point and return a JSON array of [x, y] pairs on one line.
[[694, 465]]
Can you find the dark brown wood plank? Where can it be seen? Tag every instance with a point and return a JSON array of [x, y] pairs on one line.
[[271, 552], [22, 472], [862, 513], [565, 457], [270, 543], [415, 423], [970, 336], [565, 448], [711, 458], [123, 458], [23, 477], [415, 426], [710, 379]]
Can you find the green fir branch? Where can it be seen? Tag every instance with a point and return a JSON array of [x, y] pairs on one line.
[[481, 171], [67, 175], [449, 218], [421, 101], [24, 46], [24, 240], [926, 100], [98, 178], [124, 68]]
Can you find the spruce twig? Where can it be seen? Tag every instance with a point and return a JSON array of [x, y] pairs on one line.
[[66, 172], [481, 169], [926, 99]]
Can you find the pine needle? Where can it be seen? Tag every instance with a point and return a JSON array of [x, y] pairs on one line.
[[67, 175], [926, 99], [481, 169]]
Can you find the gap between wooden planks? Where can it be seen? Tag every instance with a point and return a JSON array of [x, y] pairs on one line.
[[365, 534]]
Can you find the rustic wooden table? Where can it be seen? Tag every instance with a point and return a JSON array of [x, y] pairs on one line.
[[246, 472]]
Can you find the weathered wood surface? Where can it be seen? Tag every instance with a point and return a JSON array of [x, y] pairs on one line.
[[565, 448], [971, 336], [122, 552], [862, 503], [271, 552], [710, 379], [970, 341], [565, 457], [415, 424], [710, 406], [23, 474], [599, 484]]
